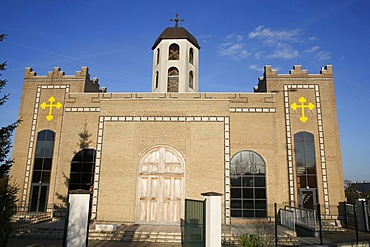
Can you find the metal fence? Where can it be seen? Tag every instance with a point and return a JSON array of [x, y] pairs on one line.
[[367, 209], [287, 218], [351, 213], [302, 216], [38, 228]]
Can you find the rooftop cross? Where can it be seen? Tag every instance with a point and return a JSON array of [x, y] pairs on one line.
[[177, 20]]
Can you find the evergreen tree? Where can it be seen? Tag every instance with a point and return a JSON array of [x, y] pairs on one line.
[[8, 191]]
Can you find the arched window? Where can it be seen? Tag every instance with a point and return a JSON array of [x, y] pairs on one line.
[[174, 52], [304, 150], [191, 56], [191, 80], [82, 170], [156, 79], [248, 185], [157, 57], [173, 80], [42, 170]]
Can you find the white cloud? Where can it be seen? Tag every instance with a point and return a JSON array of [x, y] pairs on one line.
[[316, 52], [259, 54], [272, 37], [234, 47], [313, 38], [204, 37], [281, 41], [323, 55], [284, 51], [256, 67], [312, 49]]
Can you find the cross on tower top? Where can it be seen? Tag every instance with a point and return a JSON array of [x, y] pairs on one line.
[[176, 20]]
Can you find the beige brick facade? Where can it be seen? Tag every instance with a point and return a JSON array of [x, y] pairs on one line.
[[205, 129]]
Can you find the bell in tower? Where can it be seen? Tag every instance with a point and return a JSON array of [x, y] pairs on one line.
[[175, 61]]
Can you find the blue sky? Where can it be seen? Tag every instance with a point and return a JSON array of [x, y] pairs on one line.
[[237, 38]]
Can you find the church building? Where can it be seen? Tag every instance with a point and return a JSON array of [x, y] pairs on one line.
[[142, 154]]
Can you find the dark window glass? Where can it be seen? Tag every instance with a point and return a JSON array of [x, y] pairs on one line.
[[50, 136], [248, 204], [236, 213], [191, 56], [74, 187], [40, 149], [38, 164], [248, 181], [156, 79], [173, 80], [41, 136], [174, 52], [260, 193], [236, 181], [82, 170], [88, 167], [47, 164], [34, 198], [248, 185], [261, 204], [42, 170], [76, 167], [259, 182], [248, 193], [46, 177], [78, 157], [36, 176], [49, 148], [304, 151], [74, 179], [157, 57], [236, 203], [248, 213], [191, 80], [86, 178], [236, 193], [261, 213]]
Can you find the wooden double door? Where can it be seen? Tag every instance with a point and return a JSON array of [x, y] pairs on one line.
[[160, 190]]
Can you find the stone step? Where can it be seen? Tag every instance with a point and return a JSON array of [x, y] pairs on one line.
[[284, 240], [127, 236]]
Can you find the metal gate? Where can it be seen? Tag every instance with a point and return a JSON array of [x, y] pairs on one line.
[[194, 226], [39, 228]]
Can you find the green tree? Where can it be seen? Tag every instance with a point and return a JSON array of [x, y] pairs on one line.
[[8, 191], [350, 192], [367, 195]]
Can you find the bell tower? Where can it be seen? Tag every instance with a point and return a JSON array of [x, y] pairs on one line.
[[175, 61]]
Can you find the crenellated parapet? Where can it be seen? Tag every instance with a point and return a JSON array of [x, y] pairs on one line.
[[29, 73], [58, 76], [272, 81], [297, 71], [58, 73]]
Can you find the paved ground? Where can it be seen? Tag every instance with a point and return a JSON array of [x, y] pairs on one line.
[[334, 238], [329, 238]]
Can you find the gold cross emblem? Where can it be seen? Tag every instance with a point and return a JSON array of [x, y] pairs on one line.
[[302, 100], [51, 105]]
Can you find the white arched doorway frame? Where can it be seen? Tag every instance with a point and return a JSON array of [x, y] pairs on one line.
[[160, 193]]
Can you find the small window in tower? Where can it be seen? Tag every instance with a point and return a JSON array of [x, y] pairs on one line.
[[156, 79], [191, 80], [174, 52], [173, 80], [191, 56], [157, 57]]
